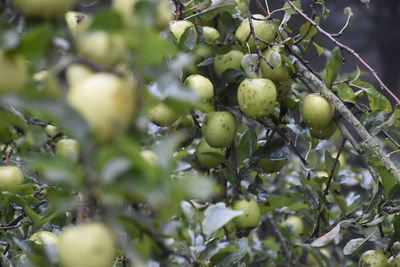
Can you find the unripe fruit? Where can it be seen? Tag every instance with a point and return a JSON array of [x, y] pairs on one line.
[[256, 97], [201, 85], [251, 213], [67, 147], [106, 101], [162, 115], [178, 27], [208, 161], [280, 72], [77, 73], [13, 73], [230, 60], [272, 165], [77, 22], [317, 111], [86, 245], [126, 9], [44, 9], [51, 130], [150, 157], [101, 47], [395, 262], [324, 133], [263, 29], [10, 177], [373, 258], [44, 238], [210, 34], [295, 224], [164, 15], [313, 262], [219, 129]]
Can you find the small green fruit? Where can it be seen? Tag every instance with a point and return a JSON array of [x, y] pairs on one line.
[[164, 15], [67, 147], [263, 29], [201, 85], [231, 60], [295, 224], [324, 133], [10, 177], [219, 129], [150, 157], [256, 97], [13, 73], [44, 9], [86, 245], [251, 213], [162, 115], [208, 161], [210, 34], [51, 130], [373, 258], [77, 22], [76, 73], [317, 111], [178, 27], [280, 72], [44, 238]]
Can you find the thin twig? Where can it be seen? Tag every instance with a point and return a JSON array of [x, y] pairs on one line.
[[348, 49], [326, 191], [281, 239]]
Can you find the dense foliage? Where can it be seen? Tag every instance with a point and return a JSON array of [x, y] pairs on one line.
[[157, 133]]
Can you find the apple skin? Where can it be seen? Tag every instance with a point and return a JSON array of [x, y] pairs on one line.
[[219, 129], [230, 60], [106, 101], [272, 165], [10, 177], [44, 9], [126, 9], [101, 47], [395, 262], [207, 160], [150, 157], [51, 130], [178, 27], [251, 213], [211, 35], [324, 133], [201, 85], [164, 15], [67, 147], [162, 115], [44, 238], [312, 261], [280, 72], [263, 29], [317, 112], [295, 223], [77, 22], [76, 73], [13, 73], [86, 245], [256, 97], [373, 258]]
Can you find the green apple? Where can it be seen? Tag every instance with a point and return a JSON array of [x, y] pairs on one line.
[[205, 160], [86, 245], [51, 130], [77, 22], [263, 29], [44, 9], [178, 27], [44, 238], [395, 261], [272, 165], [201, 85], [210, 34], [162, 115], [219, 128], [230, 60], [280, 72], [126, 9], [13, 73], [67, 147], [313, 262], [295, 224], [251, 213], [10, 177], [324, 133], [256, 97], [164, 14], [317, 112], [76, 73], [150, 157], [101, 47], [283, 89], [373, 258], [106, 101]]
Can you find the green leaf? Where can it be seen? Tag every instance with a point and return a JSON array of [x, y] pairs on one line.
[[329, 164], [377, 101], [346, 93], [387, 179], [216, 216], [35, 41], [332, 66], [107, 21], [320, 49]]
